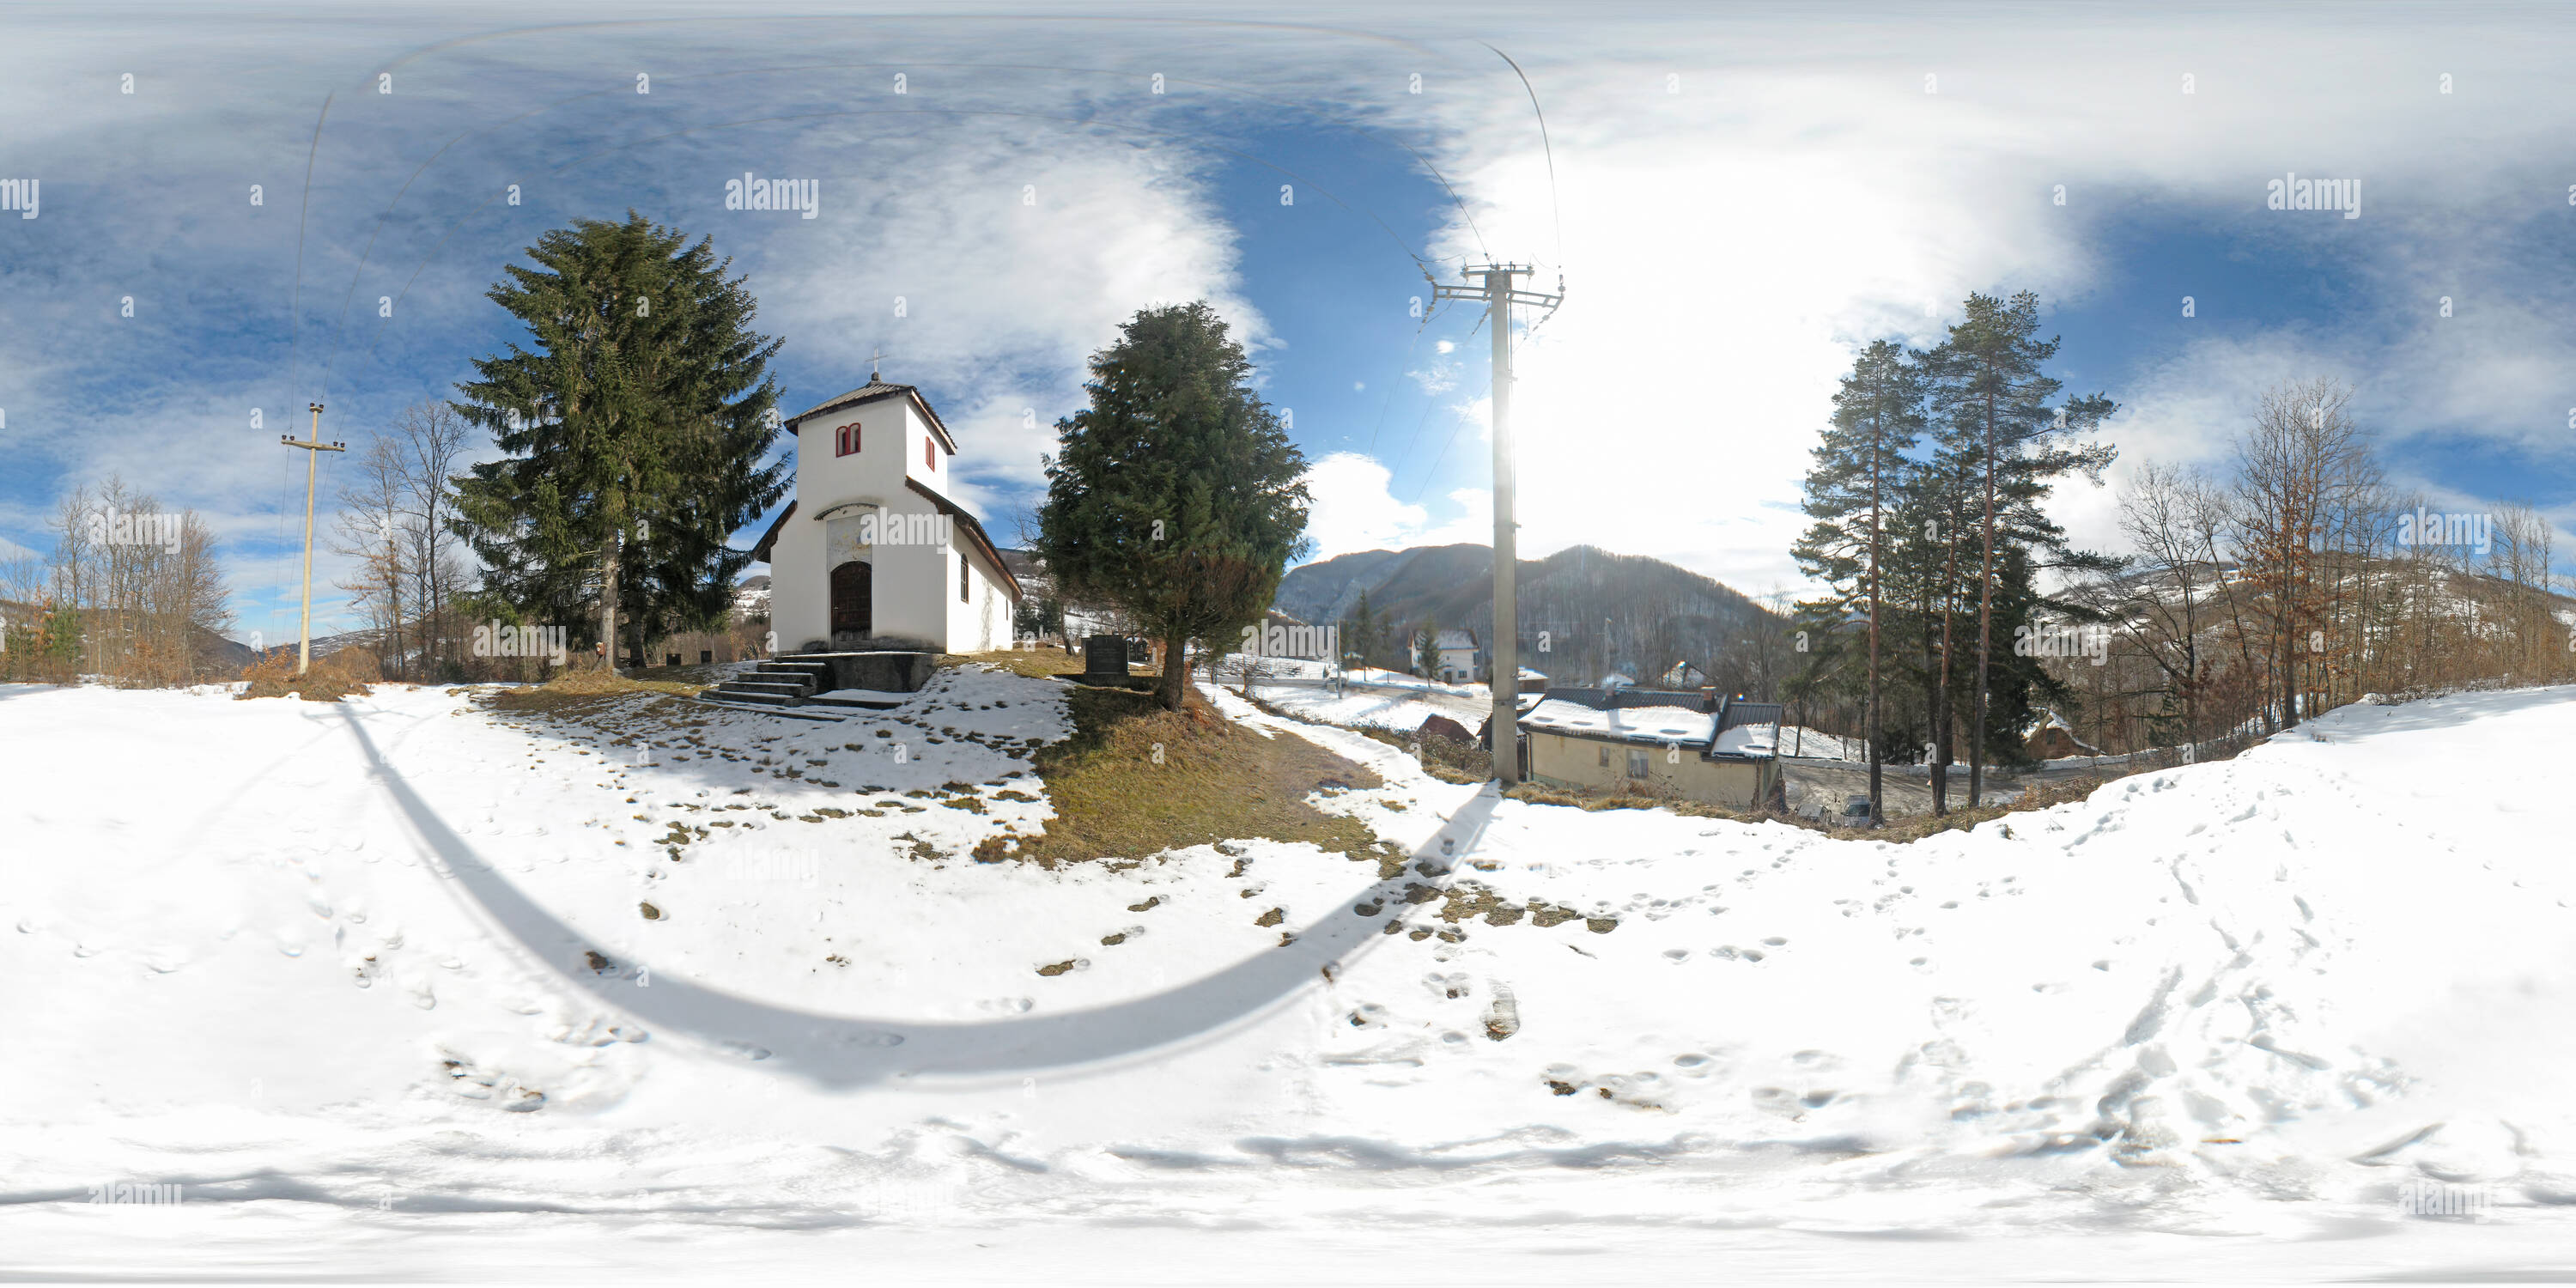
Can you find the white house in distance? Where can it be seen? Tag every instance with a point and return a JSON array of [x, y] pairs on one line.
[[872, 553], [1459, 663]]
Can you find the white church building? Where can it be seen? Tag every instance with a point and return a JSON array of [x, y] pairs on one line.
[[872, 553]]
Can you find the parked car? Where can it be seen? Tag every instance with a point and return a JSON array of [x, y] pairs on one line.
[[1855, 814]]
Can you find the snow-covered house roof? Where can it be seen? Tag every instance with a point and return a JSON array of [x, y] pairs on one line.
[[1747, 730], [1656, 726], [2052, 720], [871, 392], [1454, 639], [1726, 729]]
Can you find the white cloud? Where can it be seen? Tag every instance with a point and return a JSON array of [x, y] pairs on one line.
[[1353, 510], [1003, 301], [1727, 249], [1437, 378]]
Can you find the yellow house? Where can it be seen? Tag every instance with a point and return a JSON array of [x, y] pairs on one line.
[[1697, 746]]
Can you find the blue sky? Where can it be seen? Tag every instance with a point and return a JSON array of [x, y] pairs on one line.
[[1738, 199]]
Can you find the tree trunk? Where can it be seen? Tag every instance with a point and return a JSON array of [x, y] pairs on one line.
[[1941, 717], [393, 599], [1870, 729], [608, 553], [1985, 625], [1175, 687]]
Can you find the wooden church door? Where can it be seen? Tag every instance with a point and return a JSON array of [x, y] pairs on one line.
[[853, 601]]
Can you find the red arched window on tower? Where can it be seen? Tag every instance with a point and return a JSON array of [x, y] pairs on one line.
[[845, 440]]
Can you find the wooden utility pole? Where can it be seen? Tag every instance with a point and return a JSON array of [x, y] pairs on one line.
[[1496, 291], [312, 446]]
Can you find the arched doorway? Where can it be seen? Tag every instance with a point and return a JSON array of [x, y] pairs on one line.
[[853, 603]]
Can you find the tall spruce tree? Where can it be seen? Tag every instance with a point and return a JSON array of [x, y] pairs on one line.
[[1175, 495], [1991, 406], [635, 431], [1938, 508], [1878, 416]]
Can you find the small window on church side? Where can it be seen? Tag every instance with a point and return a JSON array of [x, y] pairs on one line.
[[965, 575], [930, 453]]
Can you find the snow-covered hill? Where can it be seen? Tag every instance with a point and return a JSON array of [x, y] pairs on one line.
[[328, 968]]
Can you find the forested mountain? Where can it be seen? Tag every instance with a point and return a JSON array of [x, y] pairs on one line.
[[1583, 611]]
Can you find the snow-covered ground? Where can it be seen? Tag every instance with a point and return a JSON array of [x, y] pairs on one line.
[[1371, 698], [326, 968], [1402, 710], [1816, 744]]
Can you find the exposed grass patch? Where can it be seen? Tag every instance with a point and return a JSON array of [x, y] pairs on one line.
[[593, 692], [590, 680], [696, 675], [1466, 903], [1135, 780], [1036, 663], [2038, 796]]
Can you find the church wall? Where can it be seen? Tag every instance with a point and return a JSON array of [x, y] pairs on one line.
[[796, 611], [915, 585], [983, 622]]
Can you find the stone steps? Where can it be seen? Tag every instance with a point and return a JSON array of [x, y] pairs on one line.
[[795, 686], [774, 684]]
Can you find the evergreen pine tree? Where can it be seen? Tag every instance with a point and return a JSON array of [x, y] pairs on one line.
[[635, 432], [1878, 415], [1175, 495], [1364, 632], [1993, 421]]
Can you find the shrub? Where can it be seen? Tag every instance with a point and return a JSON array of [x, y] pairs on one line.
[[1446, 759]]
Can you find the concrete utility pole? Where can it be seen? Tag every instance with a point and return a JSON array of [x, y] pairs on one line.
[[1496, 291], [312, 449]]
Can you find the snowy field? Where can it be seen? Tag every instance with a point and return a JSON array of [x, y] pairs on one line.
[[374, 985], [1816, 744], [1373, 698]]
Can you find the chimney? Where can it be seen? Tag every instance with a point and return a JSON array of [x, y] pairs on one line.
[[1708, 698]]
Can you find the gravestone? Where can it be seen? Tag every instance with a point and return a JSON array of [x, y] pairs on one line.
[[1104, 659]]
